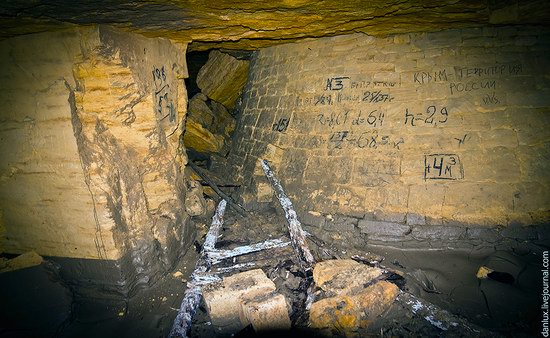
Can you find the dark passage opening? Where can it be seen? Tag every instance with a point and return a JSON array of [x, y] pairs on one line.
[[195, 60]]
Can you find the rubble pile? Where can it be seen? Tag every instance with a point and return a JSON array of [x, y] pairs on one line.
[[296, 282], [355, 296]]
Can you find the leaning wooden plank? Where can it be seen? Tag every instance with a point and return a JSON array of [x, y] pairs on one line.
[[297, 235], [192, 295], [214, 230], [213, 185], [217, 256]]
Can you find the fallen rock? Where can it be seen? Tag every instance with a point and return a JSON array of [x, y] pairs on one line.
[[222, 78], [483, 272], [343, 277], [199, 111], [195, 205], [223, 300], [210, 120], [348, 313], [210, 203], [265, 312], [326, 270], [22, 261], [224, 123], [201, 139]]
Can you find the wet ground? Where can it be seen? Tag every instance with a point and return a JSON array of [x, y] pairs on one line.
[[445, 277], [34, 305]]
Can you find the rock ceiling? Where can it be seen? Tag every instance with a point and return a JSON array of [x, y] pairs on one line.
[[249, 24]]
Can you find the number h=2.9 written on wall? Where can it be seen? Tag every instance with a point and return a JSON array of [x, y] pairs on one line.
[[443, 167]]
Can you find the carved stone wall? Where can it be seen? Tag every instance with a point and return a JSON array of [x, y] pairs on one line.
[[46, 205], [94, 159], [434, 128]]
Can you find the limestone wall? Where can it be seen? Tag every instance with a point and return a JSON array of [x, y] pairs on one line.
[[46, 205], [438, 128], [91, 159]]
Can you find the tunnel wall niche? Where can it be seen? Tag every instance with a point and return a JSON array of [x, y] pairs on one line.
[[448, 127], [92, 162]]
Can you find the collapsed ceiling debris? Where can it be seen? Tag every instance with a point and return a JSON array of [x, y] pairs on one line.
[[278, 286]]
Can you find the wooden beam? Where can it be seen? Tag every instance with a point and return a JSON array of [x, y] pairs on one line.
[[192, 295], [213, 185], [297, 234], [442, 319], [217, 256]]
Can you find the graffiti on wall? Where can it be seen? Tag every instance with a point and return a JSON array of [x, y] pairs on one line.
[[443, 167], [347, 112], [281, 125], [164, 104]]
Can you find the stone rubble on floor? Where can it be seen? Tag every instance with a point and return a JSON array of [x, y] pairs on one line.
[[355, 297], [246, 298]]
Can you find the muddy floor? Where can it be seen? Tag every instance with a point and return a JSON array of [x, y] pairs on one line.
[[444, 277]]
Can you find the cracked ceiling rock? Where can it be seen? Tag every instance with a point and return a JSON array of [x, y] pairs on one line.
[[249, 25]]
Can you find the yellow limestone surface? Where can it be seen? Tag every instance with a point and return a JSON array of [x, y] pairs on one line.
[[253, 24]]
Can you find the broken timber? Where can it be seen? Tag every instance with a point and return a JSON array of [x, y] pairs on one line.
[[213, 185], [297, 235], [217, 256], [442, 319], [210, 256], [192, 295], [202, 275]]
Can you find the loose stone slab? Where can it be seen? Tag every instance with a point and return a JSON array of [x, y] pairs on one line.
[[223, 299], [343, 277], [266, 312], [348, 313]]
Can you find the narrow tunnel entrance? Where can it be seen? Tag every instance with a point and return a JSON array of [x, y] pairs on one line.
[[195, 61], [216, 79]]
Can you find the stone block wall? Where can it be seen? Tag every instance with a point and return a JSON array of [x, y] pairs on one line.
[[435, 128], [92, 164]]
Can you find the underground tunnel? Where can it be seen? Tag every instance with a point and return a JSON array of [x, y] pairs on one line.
[[298, 167]]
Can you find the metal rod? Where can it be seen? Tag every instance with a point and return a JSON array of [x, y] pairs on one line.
[[222, 185]]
